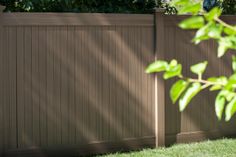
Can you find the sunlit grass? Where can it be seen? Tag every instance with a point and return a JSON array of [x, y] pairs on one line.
[[217, 148]]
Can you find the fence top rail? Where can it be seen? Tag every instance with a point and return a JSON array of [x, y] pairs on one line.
[[85, 19], [171, 20]]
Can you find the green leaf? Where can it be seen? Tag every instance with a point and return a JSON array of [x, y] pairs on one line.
[[173, 72], [194, 22], [212, 79], [231, 84], [157, 66], [211, 30], [222, 49], [216, 79], [215, 31], [199, 68], [222, 80], [173, 63], [234, 63], [202, 33], [232, 77], [230, 96], [179, 2], [190, 8], [219, 105], [225, 43], [230, 109], [192, 91], [230, 31], [214, 13], [215, 87], [177, 89]]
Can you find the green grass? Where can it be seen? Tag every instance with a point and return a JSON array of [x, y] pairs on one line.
[[218, 148]]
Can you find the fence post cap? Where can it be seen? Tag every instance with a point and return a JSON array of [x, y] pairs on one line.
[[159, 10]]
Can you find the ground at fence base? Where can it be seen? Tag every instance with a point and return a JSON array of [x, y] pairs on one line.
[[84, 150], [214, 148], [122, 146], [197, 136]]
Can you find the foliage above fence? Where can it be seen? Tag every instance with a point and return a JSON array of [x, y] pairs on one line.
[[104, 6], [229, 7]]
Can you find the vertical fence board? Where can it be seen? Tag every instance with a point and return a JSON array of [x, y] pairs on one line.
[[124, 59], [78, 86], [105, 85], [20, 85], [1, 92], [56, 85], [28, 86], [35, 86], [43, 85], [6, 90], [71, 66], [149, 38], [12, 86], [50, 111], [99, 74], [64, 85], [120, 76]]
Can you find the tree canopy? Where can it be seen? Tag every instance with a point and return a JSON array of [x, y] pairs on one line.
[[105, 6]]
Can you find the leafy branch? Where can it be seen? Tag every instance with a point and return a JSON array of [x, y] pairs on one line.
[[208, 26]]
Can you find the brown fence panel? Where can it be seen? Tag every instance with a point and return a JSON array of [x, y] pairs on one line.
[[198, 121], [71, 80]]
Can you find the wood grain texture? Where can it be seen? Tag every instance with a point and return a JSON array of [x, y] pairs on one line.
[[67, 84], [1, 92]]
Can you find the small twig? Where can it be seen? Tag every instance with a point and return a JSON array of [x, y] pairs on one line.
[[224, 24], [201, 81]]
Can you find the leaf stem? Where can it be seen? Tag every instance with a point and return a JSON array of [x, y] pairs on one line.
[[200, 77], [205, 82], [224, 24]]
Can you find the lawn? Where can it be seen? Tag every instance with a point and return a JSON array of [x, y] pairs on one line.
[[217, 148]]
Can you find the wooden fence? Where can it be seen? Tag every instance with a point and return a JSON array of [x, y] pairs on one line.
[[74, 84]]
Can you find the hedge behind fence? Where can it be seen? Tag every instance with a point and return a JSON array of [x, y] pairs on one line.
[[98, 6]]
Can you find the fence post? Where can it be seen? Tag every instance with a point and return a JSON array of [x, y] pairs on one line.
[[159, 83]]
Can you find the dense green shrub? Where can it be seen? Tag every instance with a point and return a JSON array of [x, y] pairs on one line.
[[229, 7], [98, 6]]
